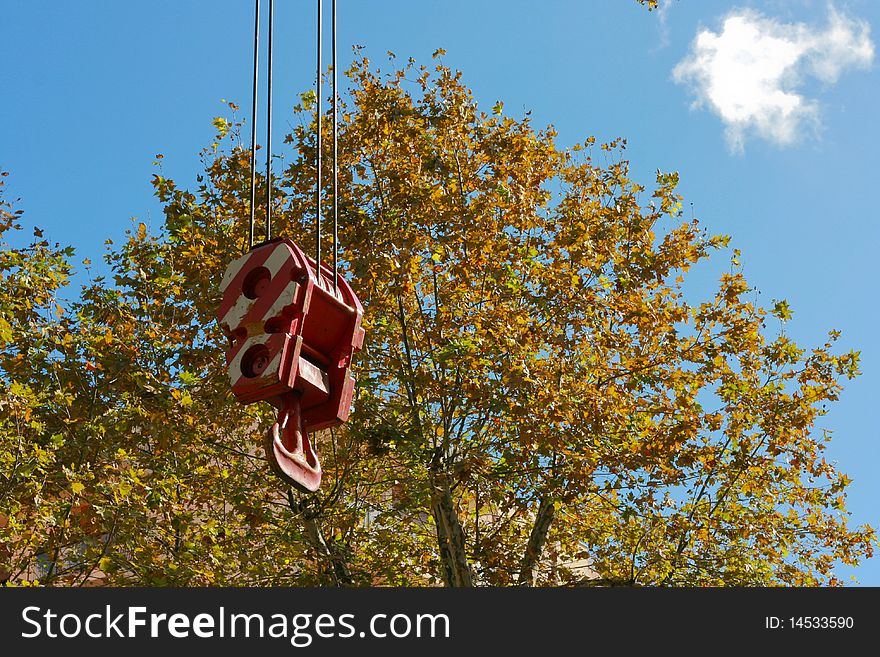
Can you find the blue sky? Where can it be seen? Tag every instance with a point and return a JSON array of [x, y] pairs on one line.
[[763, 106]]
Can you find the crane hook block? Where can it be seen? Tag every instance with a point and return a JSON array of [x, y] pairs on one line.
[[292, 338]]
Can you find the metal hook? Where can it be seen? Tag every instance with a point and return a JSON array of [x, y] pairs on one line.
[[290, 451]]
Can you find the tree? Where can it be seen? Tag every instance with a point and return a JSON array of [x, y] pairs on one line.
[[538, 401]]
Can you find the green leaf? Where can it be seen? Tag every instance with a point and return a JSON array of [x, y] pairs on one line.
[[222, 126], [781, 310]]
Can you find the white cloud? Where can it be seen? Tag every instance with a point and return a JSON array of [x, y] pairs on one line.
[[751, 72], [663, 21]]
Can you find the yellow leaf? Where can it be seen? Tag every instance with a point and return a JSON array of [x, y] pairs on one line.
[[77, 488], [5, 331]]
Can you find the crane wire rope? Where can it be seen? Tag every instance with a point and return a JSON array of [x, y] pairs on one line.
[[254, 125], [335, 159], [269, 128], [319, 146], [320, 141]]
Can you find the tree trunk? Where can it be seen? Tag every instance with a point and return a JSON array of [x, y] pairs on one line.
[[334, 568], [537, 539], [450, 536]]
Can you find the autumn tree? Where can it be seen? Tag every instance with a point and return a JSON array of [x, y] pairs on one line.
[[539, 400]]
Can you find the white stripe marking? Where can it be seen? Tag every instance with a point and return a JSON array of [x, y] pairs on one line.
[[234, 367]]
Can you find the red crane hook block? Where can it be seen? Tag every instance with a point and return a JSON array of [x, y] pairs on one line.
[[291, 344]]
